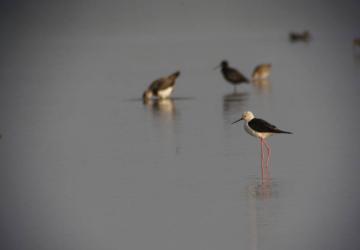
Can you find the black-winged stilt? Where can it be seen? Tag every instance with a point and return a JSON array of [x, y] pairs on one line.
[[261, 129], [162, 87]]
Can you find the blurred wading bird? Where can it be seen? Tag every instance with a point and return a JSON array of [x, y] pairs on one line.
[[261, 129], [299, 37], [233, 76], [261, 72], [356, 42], [162, 87]]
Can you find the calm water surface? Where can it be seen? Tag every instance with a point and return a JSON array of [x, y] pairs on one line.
[[85, 164]]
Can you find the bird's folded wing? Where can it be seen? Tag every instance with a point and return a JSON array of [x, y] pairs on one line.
[[260, 125]]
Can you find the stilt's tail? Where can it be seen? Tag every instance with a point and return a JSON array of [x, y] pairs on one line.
[[282, 132]]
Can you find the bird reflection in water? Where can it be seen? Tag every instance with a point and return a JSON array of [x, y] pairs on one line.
[[162, 108], [263, 86], [234, 101], [258, 193], [262, 189]]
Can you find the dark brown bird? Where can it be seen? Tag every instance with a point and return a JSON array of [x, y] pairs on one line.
[[299, 37], [162, 87], [231, 75], [356, 42]]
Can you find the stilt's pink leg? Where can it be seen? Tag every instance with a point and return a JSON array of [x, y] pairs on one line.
[[262, 153], [262, 160], [269, 153]]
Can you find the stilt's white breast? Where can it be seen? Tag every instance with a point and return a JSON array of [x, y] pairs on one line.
[[252, 132], [249, 130], [165, 93]]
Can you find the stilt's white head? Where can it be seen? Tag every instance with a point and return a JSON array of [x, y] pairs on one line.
[[247, 116]]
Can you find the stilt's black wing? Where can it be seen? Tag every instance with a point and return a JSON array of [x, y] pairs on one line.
[[260, 125]]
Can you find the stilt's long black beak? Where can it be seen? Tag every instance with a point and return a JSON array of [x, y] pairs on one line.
[[217, 67], [238, 120]]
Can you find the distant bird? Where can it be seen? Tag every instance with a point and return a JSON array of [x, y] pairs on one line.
[[356, 42], [261, 72], [233, 76], [162, 87], [299, 37], [261, 129]]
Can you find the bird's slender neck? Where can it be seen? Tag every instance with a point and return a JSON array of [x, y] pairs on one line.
[[224, 65], [249, 118], [246, 122], [225, 69]]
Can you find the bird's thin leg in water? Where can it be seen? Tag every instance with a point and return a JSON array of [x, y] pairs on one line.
[[262, 173], [262, 152], [269, 153]]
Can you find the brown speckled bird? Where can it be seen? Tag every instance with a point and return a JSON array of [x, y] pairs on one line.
[[261, 72], [162, 87], [231, 75]]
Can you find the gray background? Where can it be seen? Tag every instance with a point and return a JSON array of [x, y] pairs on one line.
[[86, 165]]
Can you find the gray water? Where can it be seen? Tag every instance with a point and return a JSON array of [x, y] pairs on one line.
[[85, 164]]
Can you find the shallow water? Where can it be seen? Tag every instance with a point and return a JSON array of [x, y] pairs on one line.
[[85, 164]]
